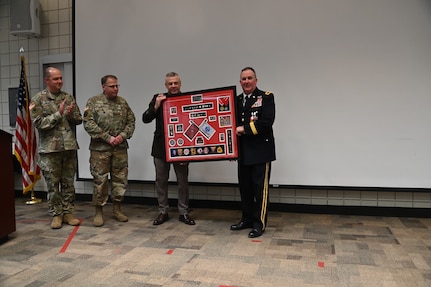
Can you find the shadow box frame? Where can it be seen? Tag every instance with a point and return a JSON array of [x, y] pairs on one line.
[[200, 125]]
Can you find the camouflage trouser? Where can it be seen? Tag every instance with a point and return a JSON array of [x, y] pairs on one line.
[[115, 164], [58, 169]]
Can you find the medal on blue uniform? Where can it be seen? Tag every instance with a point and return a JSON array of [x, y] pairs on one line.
[[253, 116]]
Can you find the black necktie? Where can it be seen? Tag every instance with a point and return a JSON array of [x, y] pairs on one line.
[[246, 99]]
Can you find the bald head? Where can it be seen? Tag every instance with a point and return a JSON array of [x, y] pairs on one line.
[[53, 79]]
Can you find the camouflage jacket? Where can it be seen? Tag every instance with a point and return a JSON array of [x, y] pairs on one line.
[[56, 131], [104, 118]]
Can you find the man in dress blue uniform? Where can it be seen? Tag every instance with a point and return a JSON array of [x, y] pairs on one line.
[[256, 115]]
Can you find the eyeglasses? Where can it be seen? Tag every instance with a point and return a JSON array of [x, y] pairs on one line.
[[113, 86]]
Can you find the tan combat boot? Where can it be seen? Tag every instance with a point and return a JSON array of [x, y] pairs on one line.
[[118, 214], [69, 219], [98, 217], [57, 221]]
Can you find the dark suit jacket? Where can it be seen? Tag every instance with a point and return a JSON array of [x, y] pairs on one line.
[[257, 145], [158, 148]]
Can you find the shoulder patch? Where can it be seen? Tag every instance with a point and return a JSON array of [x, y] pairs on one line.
[[268, 93]]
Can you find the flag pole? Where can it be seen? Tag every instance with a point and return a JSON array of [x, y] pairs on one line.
[[34, 199], [25, 137]]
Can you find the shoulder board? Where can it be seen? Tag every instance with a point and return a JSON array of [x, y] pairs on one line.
[[268, 93]]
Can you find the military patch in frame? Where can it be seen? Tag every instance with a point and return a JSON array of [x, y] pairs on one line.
[[206, 118]]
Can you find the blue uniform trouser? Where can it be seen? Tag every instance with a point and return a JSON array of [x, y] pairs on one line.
[[254, 190]]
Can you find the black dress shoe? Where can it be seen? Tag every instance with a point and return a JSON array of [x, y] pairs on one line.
[[241, 225], [186, 219], [162, 218], [255, 233]]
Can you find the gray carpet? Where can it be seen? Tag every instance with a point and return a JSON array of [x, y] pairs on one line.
[[296, 250]]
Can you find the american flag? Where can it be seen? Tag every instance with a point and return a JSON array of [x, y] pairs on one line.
[[25, 136]]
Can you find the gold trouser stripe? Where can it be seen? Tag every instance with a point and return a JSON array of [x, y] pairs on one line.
[[253, 128], [265, 196]]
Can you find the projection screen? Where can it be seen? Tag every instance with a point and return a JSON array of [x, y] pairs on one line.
[[351, 80]]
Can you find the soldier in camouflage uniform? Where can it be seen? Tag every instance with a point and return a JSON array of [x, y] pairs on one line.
[[55, 115], [109, 121]]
